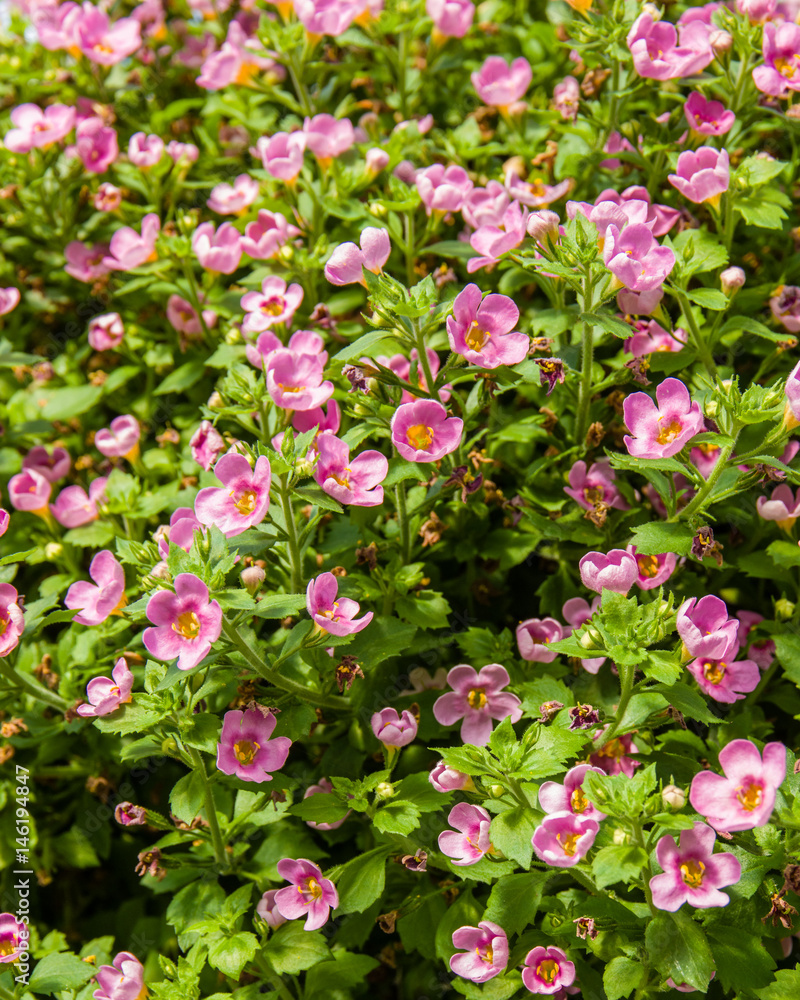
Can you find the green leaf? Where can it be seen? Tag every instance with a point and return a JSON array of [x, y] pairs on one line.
[[514, 900], [231, 954], [608, 323], [280, 605], [658, 537], [756, 170], [362, 881], [617, 863], [757, 211], [292, 949], [622, 976], [203, 732], [362, 345], [678, 948], [17, 557], [742, 961], [134, 717], [323, 807], [400, 469], [696, 251], [787, 650], [70, 402], [343, 972], [182, 378], [662, 665], [317, 496], [90, 536], [786, 986], [417, 929], [426, 609], [187, 796], [511, 833], [688, 702], [58, 972], [397, 817], [750, 325], [709, 298], [464, 912]]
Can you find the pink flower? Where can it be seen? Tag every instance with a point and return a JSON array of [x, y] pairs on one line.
[[103, 42], [12, 621], [486, 954], [96, 145], [615, 144], [594, 485], [639, 303], [263, 238], [661, 430], [295, 380], [615, 570], [451, 18], [85, 263], [268, 911], [653, 570], [310, 896], [145, 150], [707, 117], [120, 439], [422, 431], [128, 249], [323, 787], [206, 444], [37, 129], [183, 317], [5, 520], [245, 747], [563, 838], [577, 612], [14, 937], [233, 199], [73, 507], [635, 258], [337, 617], [328, 137], [477, 698], [745, 797], [548, 971], [660, 55], [569, 797], [53, 466], [236, 62], [128, 814], [702, 175], [480, 329], [785, 306], [304, 420], [243, 499], [275, 303], [471, 842], [725, 679], [566, 97], [533, 636], [535, 194], [182, 153], [106, 332], [218, 251], [491, 242], [693, 874], [394, 729], [443, 189], [124, 980], [731, 280], [485, 206], [328, 17], [9, 300], [345, 264], [783, 506], [105, 694], [612, 756], [181, 531], [705, 628], [187, 623], [761, 652], [97, 603], [29, 490], [448, 779], [357, 481], [781, 50], [756, 10], [282, 154], [499, 84], [651, 338]]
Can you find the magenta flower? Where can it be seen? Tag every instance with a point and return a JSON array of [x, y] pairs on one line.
[[144, 150], [206, 444], [327, 17], [500, 85], [219, 251], [569, 797], [471, 842], [477, 698], [635, 258], [128, 249], [705, 628], [124, 980], [781, 50], [756, 10], [485, 206], [52, 465], [745, 796], [181, 531], [451, 18], [615, 570], [263, 238], [783, 507], [243, 499], [785, 306], [107, 198], [548, 971], [653, 570], [120, 439], [103, 598], [12, 621], [37, 129], [563, 838], [702, 175], [707, 117], [96, 145], [659, 54], [187, 623], [85, 263], [106, 332], [13, 938], [533, 636], [128, 814], [328, 137], [394, 729], [245, 747], [281, 155], [5, 520], [295, 380], [595, 485], [693, 874], [422, 431], [330, 615], [323, 787], [761, 652], [73, 507], [357, 481], [612, 756], [491, 242], [233, 199], [183, 154], [268, 911], [105, 694], [275, 303], [725, 679], [480, 329], [661, 430], [311, 896], [651, 338], [443, 189], [236, 62], [486, 954], [9, 300], [448, 779], [566, 98], [345, 265], [103, 42], [29, 490], [184, 318], [304, 420]]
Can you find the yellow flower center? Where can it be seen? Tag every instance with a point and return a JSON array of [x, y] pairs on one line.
[[648, 565], [311, 887], [7, 947], [669, 431], [187, 625], [245, 751], [476, 698], [272, 307], [420, 437], [592, 494], [613, 748], [245, 502], [692, 873], [578, 801], [786, 67], [749, 796], [3, 625], [485, 954], [476, 336], [714, 671], [547, 970], [343, 480], [568, 844]]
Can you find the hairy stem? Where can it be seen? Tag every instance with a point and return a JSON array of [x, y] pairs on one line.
[[213, 823]]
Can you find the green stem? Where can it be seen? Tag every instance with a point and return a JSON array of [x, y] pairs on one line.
[[274, 977], [410, 247], [297, 83], [430, 382], [700, 497], [213, 823], [729, 223], [402, 521], [639, 838], [30, 687], [295, 555], [702, 348], [587, 360], [194, 295], [402, 61], [626, 675]]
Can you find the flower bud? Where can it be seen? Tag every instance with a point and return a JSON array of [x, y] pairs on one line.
[[497, 791], [215, 401], [542, 225], [53, 550], [252, 578], [720, 41], [385, 790], [621, 836], [377, 159], [653, 10], [591, 639], [233, 336], [673, 797], [161, 571], [731, 279], [784, 609]]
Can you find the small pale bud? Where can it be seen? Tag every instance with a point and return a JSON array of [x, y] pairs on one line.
[[784, 609], [591, 639], [621, 836], [252, 578], [384, 790], [720, 41], [731, 279], [161, 571], [673, 797], [542, 225], [377, 160], [215, 401], [53, 550], [497, 791], [233, 336]]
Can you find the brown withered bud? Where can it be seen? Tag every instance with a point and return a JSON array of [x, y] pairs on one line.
[[583, 717], [547, 157], [128, 814], [265, 711], [550, 419], [479, 458], [595, 435], [339, 571], [491, 493], [431, 530], [367, 555], [593, 81], [548, 710], [355, 376], [6, 753], [615, 400], [585, 927], [321, 316], [149, 863], [72, 712], [387, 921], [551, 372], [674, 715], [791, 879], [637, 367], [98, 377], [780, 912], [347, 670], [416, 862], [703, 544], [99, 786], [169, 436], [540, 344], [443, 275], [13, 727], [513, 508], [767, 474], [462, 477], [598, 514]]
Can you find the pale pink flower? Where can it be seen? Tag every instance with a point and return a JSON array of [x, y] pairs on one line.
[[612, 755], [548, 971], [761, 651], [653, 569], [499, 84], [707, 117], [275, 303], [635, 259], [233, 199], [423, 432], [486, 949], [485, 206], [448, 779], [128, 249], [480, 329], [577, 612], [533, 637], [144, 150], [661, 429], [703, 175], [120, 439], [491, 242], [569, 797], [282, 154], [783, 506], [651, 338], [106, 695], [563, 838], [595, 485], [12, 621], [29, 490], [537, 193], [86, 263], [337, 617], [615, 570], [394, 729], [705, 628], [661, 52], [35, 128], [328, 137], [106, 332], [328, 17], [206, 444], [471, 842], [73, 507], [183, 525], [295, 381], [182, 153], [443, 189], [780, 72], [451, 18], [477, 698], [345, 264], [243, 499], [183, 317], [263, 238], [219, 250], [187, 623], [693, 874], [105, 42], [96, 602], [310, 895], [107, 198], [745, 796], [355, 481], [124, 980], [785, 305], [52, 465], [238, 60], [725, 679], [96, 145], [247, 748]]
